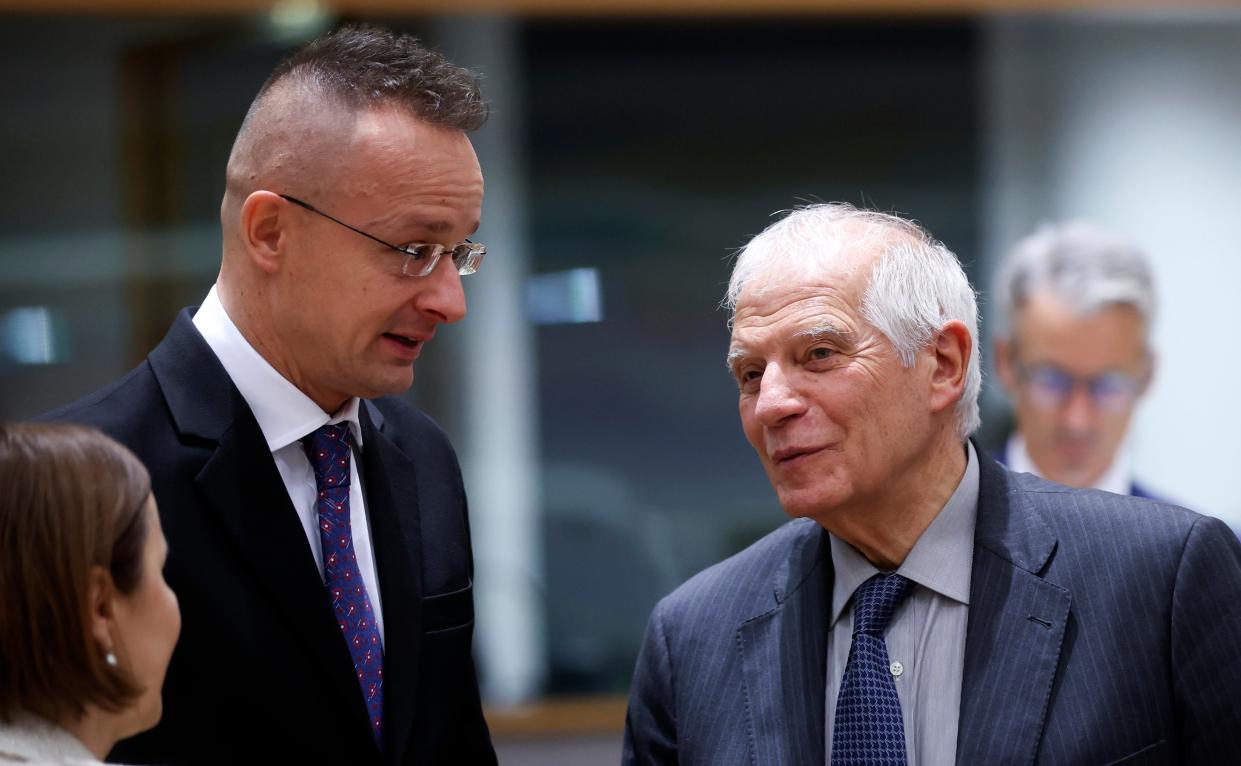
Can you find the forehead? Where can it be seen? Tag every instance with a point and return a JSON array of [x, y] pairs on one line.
[[1047, 329], [796, 298], [394, 153]]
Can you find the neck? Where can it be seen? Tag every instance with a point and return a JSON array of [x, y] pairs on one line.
[[886, 529], [1070, 476], [247, 308]]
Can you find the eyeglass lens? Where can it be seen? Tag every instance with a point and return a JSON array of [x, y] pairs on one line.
[[421, 260], [1050, 386]]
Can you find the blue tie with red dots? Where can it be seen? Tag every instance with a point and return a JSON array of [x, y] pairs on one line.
[[869, 729], [329, 451]]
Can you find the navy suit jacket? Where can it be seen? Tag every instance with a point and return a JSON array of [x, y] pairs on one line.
[[261, 673], [1102, 629]]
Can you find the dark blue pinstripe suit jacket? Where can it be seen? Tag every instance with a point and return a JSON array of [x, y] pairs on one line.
[[1102, 630]]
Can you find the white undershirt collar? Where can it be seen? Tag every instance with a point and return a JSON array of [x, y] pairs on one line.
[[1118, 478], [284, 413]]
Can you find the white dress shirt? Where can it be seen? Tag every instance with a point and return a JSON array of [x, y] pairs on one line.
[[1118, 478], [927, 633], [286, 415]]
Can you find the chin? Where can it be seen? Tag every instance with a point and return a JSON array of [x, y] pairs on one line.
[[395, 382], [803, 504]]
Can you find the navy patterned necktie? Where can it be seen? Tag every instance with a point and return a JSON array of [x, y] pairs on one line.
[[328, 449], [869, 730]]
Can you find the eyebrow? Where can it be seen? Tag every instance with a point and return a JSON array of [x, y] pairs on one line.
[[438, 227], [825, 330]]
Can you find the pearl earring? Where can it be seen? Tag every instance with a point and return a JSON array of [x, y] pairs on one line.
[[110, 658]]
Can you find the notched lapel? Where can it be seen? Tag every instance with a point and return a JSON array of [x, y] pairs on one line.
[[1017, 622], [1012, 651], [783, 659], [249, 498], [388, 474], [241, 486]]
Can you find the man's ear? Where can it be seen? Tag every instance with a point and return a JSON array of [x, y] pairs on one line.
[[1004, 369], [952, 348], [101, 595], [264, 216]]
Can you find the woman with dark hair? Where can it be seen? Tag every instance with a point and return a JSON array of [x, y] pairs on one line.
[[87, 623]]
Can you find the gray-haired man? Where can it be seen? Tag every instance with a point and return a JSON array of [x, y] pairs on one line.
[[1072, 351], [925, 606]]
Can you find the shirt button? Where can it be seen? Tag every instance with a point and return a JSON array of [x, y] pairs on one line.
[[896, 668]]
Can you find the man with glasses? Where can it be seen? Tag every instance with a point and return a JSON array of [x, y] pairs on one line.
[[318, 528], [1076, 305]]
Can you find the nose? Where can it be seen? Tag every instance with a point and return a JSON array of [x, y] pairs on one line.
[[440, 293], [778, 399], [1078, 412]]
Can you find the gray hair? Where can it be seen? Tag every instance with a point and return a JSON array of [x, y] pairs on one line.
[[1080, 263], [916, 284]]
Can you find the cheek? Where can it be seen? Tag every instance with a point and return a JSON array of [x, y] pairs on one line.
[[172, 611], [749, 423], [1116, 424]]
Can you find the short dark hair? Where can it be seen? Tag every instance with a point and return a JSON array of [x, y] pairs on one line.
[[367, 66], [70, 499]]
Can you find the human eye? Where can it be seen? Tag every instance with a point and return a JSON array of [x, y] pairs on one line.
[[819, 354], [420, 258], [419, 251], [748, 377]]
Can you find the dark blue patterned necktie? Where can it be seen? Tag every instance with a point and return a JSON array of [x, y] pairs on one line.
[[329, 453], [869, 730]]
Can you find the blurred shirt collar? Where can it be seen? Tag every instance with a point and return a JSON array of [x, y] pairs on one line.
[[1118, 478]]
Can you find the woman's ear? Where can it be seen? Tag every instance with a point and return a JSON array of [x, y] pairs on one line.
[[102, 602]]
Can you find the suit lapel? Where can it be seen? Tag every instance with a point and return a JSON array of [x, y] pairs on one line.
[[388, 474], [789, 640], [242, 487], [1017, 622]]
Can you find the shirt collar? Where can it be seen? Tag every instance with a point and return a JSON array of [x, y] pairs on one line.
[[32, 737], [1118, 478], [283, 412], [942, 558]]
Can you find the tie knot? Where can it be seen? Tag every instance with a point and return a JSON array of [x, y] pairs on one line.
[[327, 448], [876, 600]]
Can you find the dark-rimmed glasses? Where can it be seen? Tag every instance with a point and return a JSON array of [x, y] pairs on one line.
[[1049, 387], [421, 258]]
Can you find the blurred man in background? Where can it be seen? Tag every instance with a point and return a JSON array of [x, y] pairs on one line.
[[1073, 351]]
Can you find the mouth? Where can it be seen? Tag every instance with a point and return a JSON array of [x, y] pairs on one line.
[[790, 455], [406, 348], [403, 340]]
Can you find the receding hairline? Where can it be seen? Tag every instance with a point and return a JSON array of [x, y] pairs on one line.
[[862, 237], [299, 140], [1087, 267]]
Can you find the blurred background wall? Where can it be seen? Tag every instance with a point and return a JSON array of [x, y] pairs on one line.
[[630, 153]]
